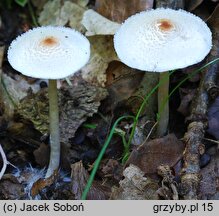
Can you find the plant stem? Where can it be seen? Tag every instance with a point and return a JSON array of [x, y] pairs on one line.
[[100, 156], [163, 92], [33, 17], [54, 128], [163, 80]]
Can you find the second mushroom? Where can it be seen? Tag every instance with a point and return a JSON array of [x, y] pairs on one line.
[[159, 41]]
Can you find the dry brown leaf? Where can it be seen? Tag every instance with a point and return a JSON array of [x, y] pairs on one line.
[[167, 150], [209, 182], [122, 81], [102, 53], [112, 169], [79, 180], [186, 96], [135, 186], [41, 183], [120, 10], [10, 188]]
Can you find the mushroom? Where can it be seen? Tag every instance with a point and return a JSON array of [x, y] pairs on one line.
[[161, 40], [50, 53]]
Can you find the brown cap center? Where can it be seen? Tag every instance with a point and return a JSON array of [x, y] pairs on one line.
[[165, 25], [49, 41]]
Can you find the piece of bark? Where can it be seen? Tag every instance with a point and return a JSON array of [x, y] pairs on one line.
[[76, 103], [135, 186], [120, 10]]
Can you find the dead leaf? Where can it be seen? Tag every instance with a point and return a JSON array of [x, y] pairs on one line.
[[18, 88], [59, 14], [38, 3], [10, 188], [186, 96], [120, 10], [209, 185], [41, 183], [135, 186], [167, 150], [79, 180], [13, 90], [42, 155], [192, 5], [96, 24], [102, 53], [112, 169], [201, 11], [26, 178], [122, 82], [82, 3]]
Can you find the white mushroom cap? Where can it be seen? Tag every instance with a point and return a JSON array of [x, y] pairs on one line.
[[49, 52], [163, 39]]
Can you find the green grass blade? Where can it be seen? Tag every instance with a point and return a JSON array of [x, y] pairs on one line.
[[100, 156]]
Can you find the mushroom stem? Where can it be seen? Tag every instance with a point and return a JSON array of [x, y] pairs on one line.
[[163, 108], [54, 128]]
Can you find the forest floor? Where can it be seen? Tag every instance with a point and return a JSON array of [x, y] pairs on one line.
[[182, 164]]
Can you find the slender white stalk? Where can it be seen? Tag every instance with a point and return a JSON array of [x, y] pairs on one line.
[[54, 129], [163, 111]]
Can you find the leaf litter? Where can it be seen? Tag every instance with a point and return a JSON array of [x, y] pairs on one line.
[[100, 92]]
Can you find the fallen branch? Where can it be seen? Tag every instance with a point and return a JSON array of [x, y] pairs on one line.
[[190, 175]]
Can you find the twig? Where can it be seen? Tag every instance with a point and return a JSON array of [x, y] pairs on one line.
[[211, 140], [168, 178], [190, 178], [4, 160]]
